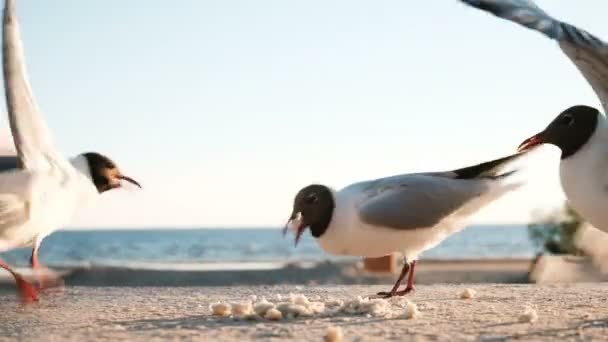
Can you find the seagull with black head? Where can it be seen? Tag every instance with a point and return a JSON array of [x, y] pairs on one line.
[[40, 190], [581, 131], [407, 213]]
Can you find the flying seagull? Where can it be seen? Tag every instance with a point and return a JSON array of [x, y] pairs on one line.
[[407, 213], [40, 190], [580, 132]]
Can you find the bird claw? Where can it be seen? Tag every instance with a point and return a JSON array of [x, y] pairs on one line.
[[386, 295], [406, 291]]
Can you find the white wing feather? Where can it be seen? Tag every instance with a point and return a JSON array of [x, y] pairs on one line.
[[30, 134]]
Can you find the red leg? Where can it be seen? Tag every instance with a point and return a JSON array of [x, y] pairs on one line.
[[410, 281], [27, 292], [45, 277], [404, 272], [34, 259]]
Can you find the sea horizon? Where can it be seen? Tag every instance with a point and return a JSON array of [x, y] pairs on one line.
[[175, 246]]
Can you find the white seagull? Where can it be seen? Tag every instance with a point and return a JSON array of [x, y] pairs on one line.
[[45, 189], [407, 213], [581, 132]]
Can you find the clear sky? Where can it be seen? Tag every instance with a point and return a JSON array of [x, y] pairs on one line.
[[224, 109]]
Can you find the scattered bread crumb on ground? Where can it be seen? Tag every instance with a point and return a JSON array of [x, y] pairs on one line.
[[242, 309], [273, 315], [300, 306], [411, 311], [221, 309], [468, 294], [333, 334]]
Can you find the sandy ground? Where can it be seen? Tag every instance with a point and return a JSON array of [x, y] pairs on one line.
[[566, 312]]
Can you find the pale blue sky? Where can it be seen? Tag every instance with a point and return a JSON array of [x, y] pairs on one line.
[[224, 109]]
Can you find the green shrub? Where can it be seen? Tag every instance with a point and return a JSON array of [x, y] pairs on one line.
[[554, 234]]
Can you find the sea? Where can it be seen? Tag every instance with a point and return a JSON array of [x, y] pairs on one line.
[[106, 247]]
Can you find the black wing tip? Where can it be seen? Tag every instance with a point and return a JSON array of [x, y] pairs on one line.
[[503, 175], [488, 169]]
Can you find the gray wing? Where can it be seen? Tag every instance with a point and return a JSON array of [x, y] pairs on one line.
[[587, 52], [416, 200], [30, 133]]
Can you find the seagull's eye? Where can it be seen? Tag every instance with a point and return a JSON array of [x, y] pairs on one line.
[[312, 198], [567, 120]]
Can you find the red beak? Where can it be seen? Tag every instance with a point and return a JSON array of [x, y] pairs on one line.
[[297, 225], [129, 179], [530, 143]]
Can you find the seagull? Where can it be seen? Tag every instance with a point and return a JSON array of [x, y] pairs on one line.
[[39, 189], [580, 132], [407, 213]]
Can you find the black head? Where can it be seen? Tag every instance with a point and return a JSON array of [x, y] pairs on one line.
[[105, 173], [569, 131], [313, 208]]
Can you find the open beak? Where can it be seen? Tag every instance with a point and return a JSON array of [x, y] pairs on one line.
[[129, 179], [530, 143], [295, 223]]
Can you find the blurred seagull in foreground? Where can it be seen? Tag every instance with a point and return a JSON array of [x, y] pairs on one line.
[[580, 132], [407, 213], [40, 190]]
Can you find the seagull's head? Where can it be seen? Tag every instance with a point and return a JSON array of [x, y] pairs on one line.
[[104, 172], [313, 208], [569, 131]]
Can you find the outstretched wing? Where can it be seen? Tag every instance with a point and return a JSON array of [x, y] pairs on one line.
[[587, 52], [30, 133]]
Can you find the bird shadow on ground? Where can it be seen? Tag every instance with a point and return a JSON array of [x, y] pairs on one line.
[[208, 321]]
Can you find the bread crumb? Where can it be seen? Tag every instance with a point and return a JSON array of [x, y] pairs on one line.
[[221, 309], [529, 316], [242, 309], [290, 310], [262, 307], [399, 301], [299, 299], [315, 298], [375, 307], [273, 315], [411, 311], [333, 334], [316, 307], [468, 294], [332, 303]]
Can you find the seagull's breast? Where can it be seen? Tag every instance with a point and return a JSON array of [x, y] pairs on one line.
[[55, 202], [584, 179]]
